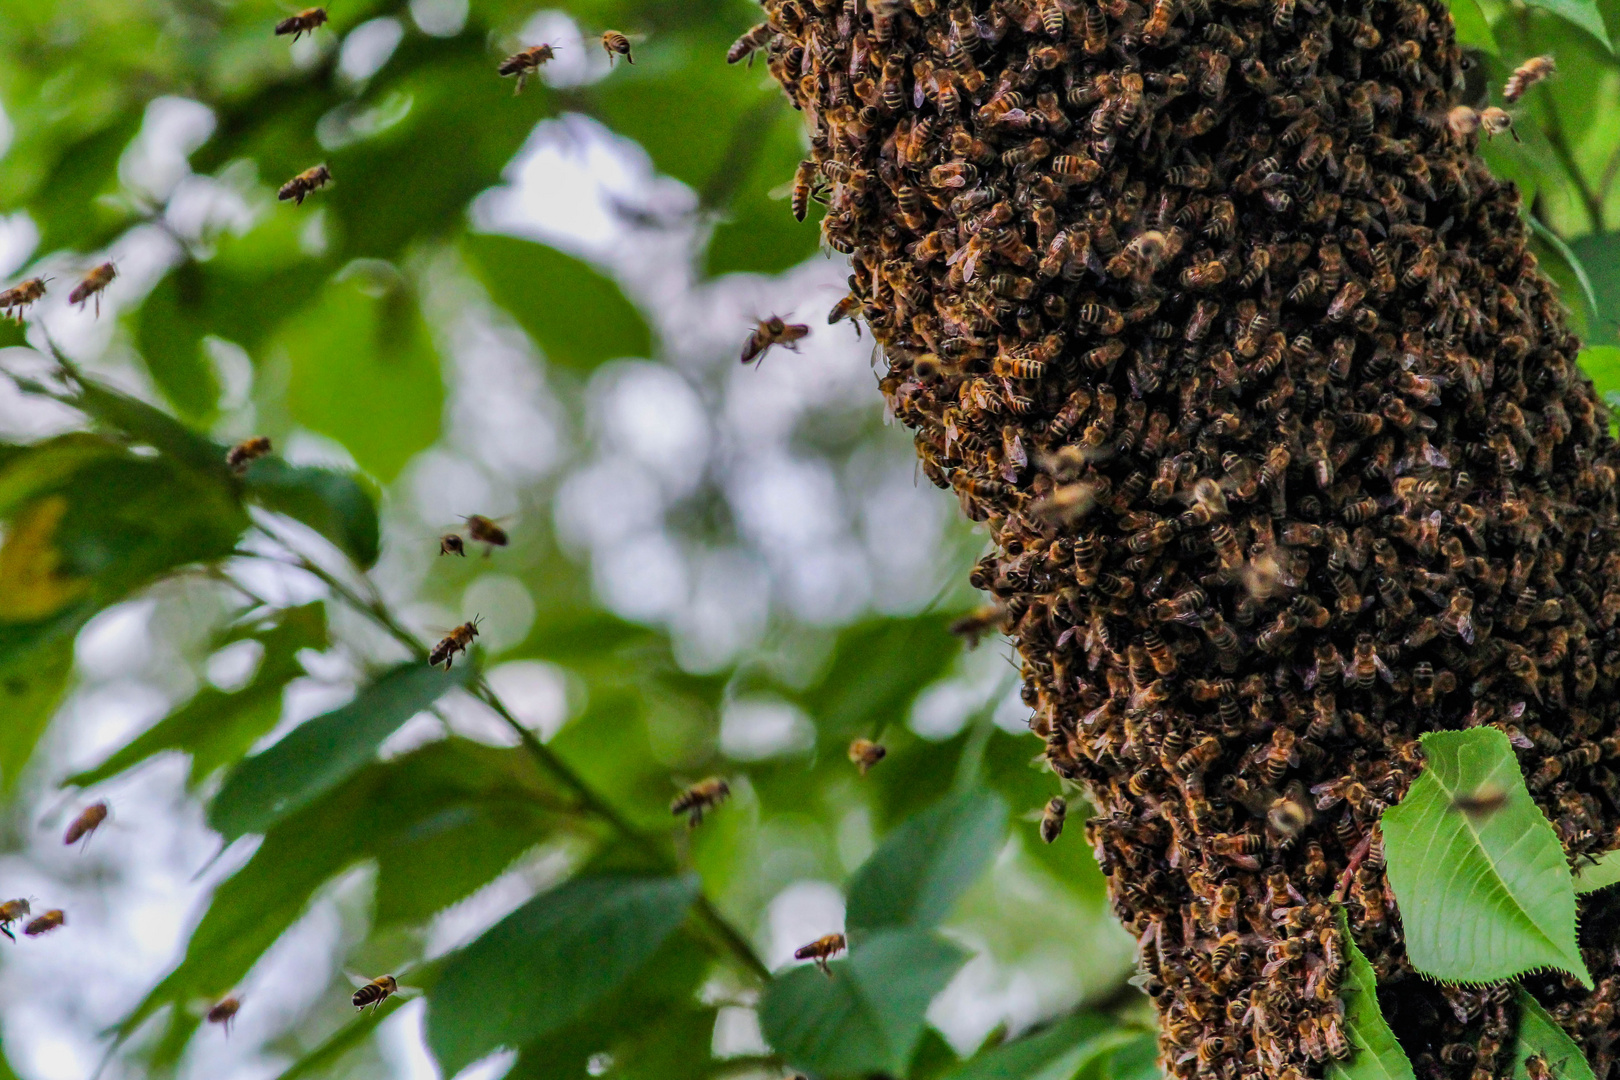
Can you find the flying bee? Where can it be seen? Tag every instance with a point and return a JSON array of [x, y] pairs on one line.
[[483, 530], [617, 45], [1527, 75], [451, 544], [525, 63], [375, 992], [1493, 121], [751, 42], [305, 22], [246, 452], [311, 179], [978, 622], [224, 1012], [865, 753], [772, 331], [93, 284], [88, 821], [821, 950], [1057, 808], [458, 640], [21, 295], [45, 923], [12, 911], [700, 798], [1482, 802]]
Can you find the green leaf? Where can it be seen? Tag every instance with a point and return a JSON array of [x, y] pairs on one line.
[[215, 727], [1136, 1060], [572, 311], [320, 754], [573, 945], [1591, 877], [1055, 1052], [1583, 13], [1600, 254], [338, 505], [870, 1014], [1602, 365], [145, 423], [923, 867], [876, 669], [171, 343], [1473, 32], [364, 371], [1570, 259], [32, 682], [757, 232], [1481, 898], [1540, 1034], [1377, 1055]]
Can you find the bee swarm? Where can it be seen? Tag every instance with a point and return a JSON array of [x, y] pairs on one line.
[[1211, 312]]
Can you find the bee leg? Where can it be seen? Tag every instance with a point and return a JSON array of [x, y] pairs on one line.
[[6, 930]]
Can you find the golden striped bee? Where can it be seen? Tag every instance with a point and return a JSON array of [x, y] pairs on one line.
[[375, 992], [88, 821], [1057, 809], [246, 453], [305, 22], [526, 63], [458, 640], [93, 284], [865, 753], [617, 45], [12, 911], [46, 923], [821, 950], [21, 295], [700, 798], [311, 179], [772, 331]]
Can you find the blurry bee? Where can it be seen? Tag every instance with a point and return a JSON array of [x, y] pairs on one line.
[[617, 45], [1057, 808], [482, 530], [45, 923], [865, 753], [1158, 23], [309, 180], [88, 821], [458, 640], [225, 1012], [1536, 1066], [375, 992], [772, 331], [1494, 121], [978, 622], [12, 911], [530, 60], [747, 45], [92, 285], [1527, 75], [244, 453], [700, 798], [21, 295], [1482, 802], [305, 22], [821, 950], [450, 544]]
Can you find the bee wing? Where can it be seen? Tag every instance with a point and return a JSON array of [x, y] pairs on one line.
[[781, 191]]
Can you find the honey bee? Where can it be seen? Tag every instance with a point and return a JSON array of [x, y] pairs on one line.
[[10, 912], [451, 544], [769, 332], [700, 798], [1482, 802], [305, 22], [1366, 665], [458, 640], [1536, 1066], [45, 923], [1493, 121], [617, 45], [224, 1012], [747, 45], [865, 753], [20, 296], [88, 821], [375, 992], [311, 179], [1527, 75], [483, 530], [246, 452], [821, 950], [1057, 808], [525, 63], [92, 285]]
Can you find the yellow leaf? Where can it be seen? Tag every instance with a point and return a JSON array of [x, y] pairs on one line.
[[31, 587]]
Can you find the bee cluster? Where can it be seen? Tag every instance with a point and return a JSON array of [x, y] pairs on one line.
[[1209, 309]]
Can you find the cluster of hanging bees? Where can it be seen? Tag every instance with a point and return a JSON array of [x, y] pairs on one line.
[[1211, 312]]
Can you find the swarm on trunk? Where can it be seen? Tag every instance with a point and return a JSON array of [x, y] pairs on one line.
[[1211, 312]]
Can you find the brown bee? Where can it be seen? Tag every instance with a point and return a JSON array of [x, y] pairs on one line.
[[10, 912], [1481, 802], [451, 544], [1057, 808], [20, 296], [700, 798], [483, 530], [865, 753], [1527, 75], [772, 331], [979, 622], [45, 923], [617, 45], [821, 950], [225, 1012], [93, 284], [88, 821], [526, 63], [305, 22], [375, 992], [458, 640], [1494, 121], [311, 179], [246, 452], [751, 42]]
